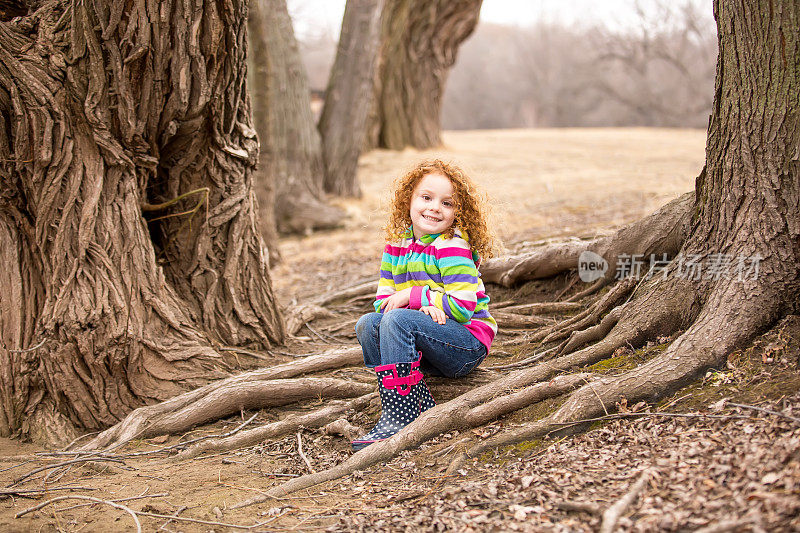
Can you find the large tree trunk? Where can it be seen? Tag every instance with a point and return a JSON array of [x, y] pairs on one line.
[[258, 85], [349, 96], [291, 143], [109, 110], [419, 41]]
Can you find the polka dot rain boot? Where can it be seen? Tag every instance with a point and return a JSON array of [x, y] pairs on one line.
[[426, 400], [398, 385]]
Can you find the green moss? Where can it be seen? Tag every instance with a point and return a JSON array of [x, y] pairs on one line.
[[627, 360]]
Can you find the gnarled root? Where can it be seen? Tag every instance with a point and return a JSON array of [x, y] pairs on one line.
[[248, 390], [662, 232], [465, 410], [588, 317], [723, 326], [315, 419], [492, 400]]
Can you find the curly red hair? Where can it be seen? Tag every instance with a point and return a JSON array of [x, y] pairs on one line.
[[471, 206]]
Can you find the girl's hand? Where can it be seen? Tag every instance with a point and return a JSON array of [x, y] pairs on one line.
[[397, 300], [435, 313]]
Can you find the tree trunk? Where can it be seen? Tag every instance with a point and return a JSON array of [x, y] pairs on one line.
[[258, 83], [291, 143], [349, 95], [109, 110], [419, 42]]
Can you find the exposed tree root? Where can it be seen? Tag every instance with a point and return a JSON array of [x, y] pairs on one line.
[[302, 314], [541, 308], [150, 420], [288, 425], [154, 420], [662, 232], [594, 333], [639, 322], [464, 411], [516, 321], [718, 330], [587, 317]]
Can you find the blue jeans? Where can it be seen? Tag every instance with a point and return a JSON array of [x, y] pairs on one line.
[[398, 335]]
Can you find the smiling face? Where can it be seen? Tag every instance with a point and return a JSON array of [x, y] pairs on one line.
[[432, 206]]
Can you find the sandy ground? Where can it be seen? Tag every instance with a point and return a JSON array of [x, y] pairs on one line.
[[544, 183]]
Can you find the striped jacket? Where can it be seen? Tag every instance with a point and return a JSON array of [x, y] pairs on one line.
[[442, 273]]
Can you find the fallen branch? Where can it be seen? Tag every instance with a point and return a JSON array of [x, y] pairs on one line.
[[302, 455], [90, 498], [768, 411], [612, 515]]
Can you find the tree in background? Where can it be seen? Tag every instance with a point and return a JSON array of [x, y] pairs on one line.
[[349, 95], [127, 221], [292, 158], [419, 42], [656, 71]]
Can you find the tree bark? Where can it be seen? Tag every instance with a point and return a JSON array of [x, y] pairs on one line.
[[291, 143], [419, 42], [109, 110], [349, 95], [258, 83]]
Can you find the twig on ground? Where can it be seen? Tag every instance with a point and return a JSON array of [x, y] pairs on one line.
[[15, 466], [612, 515], [582, 507], [768, 411], [302, 455], [197, 521], [24, 492], [90, 498], [181, 509], [117, 500], [65, 463]]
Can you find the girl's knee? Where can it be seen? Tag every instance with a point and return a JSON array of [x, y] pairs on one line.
[[366, 324], [397, 316]]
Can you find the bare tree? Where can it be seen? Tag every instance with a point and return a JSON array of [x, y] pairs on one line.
[[343, 123], [127, 222], [661, 74], [419, 42], [291, 144], [656, 71]]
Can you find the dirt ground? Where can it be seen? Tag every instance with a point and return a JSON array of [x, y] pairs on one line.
[[710, 464]]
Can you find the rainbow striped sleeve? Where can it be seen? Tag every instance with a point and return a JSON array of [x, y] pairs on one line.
[[456, 294], [386, 286]]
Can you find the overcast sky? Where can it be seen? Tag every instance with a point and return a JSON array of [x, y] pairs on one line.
[[312, 17]]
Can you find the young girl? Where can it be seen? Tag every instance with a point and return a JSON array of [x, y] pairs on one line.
[[431, 309]]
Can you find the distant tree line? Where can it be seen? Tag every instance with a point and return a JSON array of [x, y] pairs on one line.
[[658, 71]]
